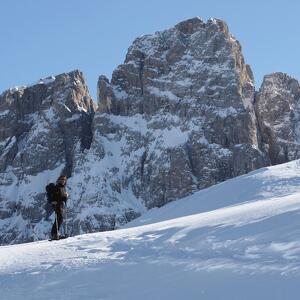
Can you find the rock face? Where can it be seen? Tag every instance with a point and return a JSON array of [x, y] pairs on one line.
[[278, 113], [192, 96], [179, 115]]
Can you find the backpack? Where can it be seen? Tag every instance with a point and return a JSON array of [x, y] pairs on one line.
[[51, 190]]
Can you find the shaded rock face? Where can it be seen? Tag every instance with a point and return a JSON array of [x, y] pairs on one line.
[[40, 124], [179, 115], [278, 114]]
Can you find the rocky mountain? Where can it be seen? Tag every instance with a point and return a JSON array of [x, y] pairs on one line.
[[179, 115], [190, 90], [41, 128], [278, 111]]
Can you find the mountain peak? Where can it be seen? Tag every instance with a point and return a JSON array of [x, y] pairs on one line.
[[191, 25]]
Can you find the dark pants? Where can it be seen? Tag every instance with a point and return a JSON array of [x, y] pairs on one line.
[[59, 214]]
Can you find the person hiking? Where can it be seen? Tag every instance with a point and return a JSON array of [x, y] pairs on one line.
[[59, 203]]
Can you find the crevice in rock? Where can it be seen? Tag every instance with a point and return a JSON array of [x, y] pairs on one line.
[[68, 152], [141, 70], [87, 131], [188, 151], [143, 159], [261, 136]]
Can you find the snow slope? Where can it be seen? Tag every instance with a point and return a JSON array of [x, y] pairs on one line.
[[236, 240]]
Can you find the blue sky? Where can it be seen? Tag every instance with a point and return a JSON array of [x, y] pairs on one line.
[[39, 38]]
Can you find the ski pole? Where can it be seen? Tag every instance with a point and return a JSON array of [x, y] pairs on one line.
[[56, 225], [65, 217]]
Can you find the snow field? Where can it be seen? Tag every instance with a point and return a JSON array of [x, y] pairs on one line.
[[236, 240]]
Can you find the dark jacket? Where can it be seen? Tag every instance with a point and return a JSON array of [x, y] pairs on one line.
[[60, 196]]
